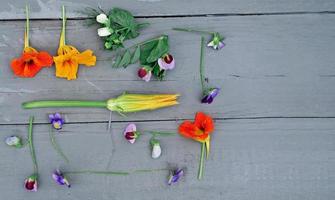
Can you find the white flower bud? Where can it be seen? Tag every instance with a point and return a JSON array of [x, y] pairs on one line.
[[102, 18], [156, 151], [102, 32]]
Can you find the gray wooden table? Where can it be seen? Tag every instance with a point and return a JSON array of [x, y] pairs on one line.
[[275, 117]]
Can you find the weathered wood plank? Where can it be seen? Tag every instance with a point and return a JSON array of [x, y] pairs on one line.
[[250, 159], [51, 9], [271, 66]]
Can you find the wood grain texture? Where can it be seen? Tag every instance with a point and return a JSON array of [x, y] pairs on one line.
[[250, 159], [51, 8], [272, 66]]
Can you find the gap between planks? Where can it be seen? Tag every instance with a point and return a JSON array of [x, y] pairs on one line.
[[189, 16], [173, 120]]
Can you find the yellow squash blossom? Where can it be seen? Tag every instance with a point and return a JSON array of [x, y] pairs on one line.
[[69, 58]]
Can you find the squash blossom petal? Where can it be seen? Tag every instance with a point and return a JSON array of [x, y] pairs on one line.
[[139, 102]]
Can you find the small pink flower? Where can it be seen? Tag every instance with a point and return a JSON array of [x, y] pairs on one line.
[[166, 62], [31, 183], [144, 74], [130, 133]]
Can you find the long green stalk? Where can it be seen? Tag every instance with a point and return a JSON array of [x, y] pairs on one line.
[[31, 144], [56, 146], [201, 163], [65, 103], [192, 30], [202, 77]]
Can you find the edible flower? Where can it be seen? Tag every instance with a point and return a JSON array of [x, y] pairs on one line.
[[31, 61], [60, 179], [130, 133], [209, 95], [156, 148], [166, 62], [175, 176], [31, 183], [124, 103], [144, 73], [14, 141], [216, 42], [200, 131], [102, 18], [105, 31], [56, 120], [69, 57]]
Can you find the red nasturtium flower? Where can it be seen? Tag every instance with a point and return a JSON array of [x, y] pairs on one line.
[[30, 62], [198, 130]]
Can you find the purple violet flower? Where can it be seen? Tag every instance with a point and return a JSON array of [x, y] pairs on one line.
[[60, 179], [210, 95], [175, 175], [56, 120]]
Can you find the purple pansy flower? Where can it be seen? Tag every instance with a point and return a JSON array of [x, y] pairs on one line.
[[56, 120], [175, 175], [210, 95], [130, 133], [60, 179], [216, 42], [144, 73], [166, 62], [31, 183]]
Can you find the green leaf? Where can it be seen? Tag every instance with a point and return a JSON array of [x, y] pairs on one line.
[[161, 48], [123, 18], [117, 61], [136, 55], [125, 59], [146, 50]]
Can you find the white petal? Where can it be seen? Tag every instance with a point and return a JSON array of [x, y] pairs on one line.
[[156, 151], [102, 32], [210, 44], [130, 128], [102, 18]]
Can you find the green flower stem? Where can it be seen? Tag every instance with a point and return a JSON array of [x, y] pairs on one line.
[[192, 30], [45, 104], [26, 38], [147, 41], [31, 144], [160, 133], [56, 146], [98, 172], [63, 26], [149, 170], [201, 163], [202, 77]]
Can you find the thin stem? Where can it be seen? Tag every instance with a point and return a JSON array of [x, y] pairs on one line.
[[192, 30], [62, 37], [56, 146], [26, 31], [98, 172], [147, 41], [201, 163], [45, 104], [149, 170], [160, 133], [202, 77], [31, 144]]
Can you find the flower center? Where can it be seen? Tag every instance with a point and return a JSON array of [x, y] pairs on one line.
[[168, 59], [142, 73]]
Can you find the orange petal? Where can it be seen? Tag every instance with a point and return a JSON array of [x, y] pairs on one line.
[[44, 59], [204, 122], [188, 129], [86, 58], [17, 65]]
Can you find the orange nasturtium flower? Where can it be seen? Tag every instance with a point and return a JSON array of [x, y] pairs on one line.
[[69, 57], [31, 61], [200, 131]]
